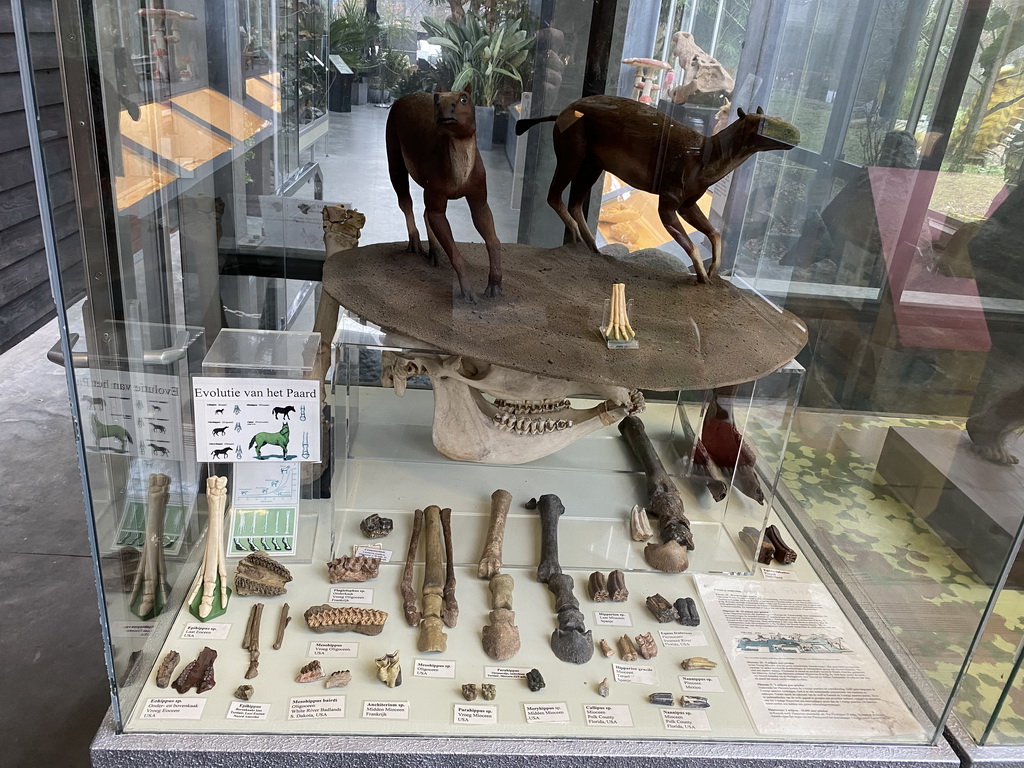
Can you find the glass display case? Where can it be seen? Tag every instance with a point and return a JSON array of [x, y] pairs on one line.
[[760, 505]]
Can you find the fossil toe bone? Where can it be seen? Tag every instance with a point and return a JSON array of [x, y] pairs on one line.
[[485, 412]]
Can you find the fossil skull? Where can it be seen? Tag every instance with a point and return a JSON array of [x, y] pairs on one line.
[[488, 413]]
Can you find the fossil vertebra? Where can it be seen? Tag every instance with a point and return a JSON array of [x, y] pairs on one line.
[[617, 587], [310, 673], [646, 645], [639, 524], [389, 669], [697, 662], [258, 574], [327, 618], [338, 679], [597, 587], [376, 527], [197, 674], [661, 609], [351, 568], [490, 559], [166, 670]]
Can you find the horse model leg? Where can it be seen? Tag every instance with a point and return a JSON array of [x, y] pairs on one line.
[[436, 205], [484, 223], [669, 220], [588, 174], [569, 158], [696, 218], [400, 181]]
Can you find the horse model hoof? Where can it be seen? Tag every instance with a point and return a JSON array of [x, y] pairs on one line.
[[468, 296], [493, 291]]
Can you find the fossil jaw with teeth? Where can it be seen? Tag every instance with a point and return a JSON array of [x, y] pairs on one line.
[[327, 618], [523, 425]]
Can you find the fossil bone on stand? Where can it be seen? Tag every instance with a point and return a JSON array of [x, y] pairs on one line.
[[213, 583], [150, 584]]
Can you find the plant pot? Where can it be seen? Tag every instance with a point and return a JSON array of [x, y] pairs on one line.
[[500, 127], [378, 96], [359, 93], [485, 128]]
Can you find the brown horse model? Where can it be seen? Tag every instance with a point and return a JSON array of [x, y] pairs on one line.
[[432, 137], [650, 151]]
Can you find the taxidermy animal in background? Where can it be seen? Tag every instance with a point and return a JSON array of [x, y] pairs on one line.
[[432, 137], [650, 151]]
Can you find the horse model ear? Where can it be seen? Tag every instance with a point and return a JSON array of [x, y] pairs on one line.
[[760, 111], [469, 88], [740, 112]]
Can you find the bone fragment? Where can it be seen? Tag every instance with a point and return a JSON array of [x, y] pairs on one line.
[[469, 691], [488, 691], [432, 638], [389, 669], [531, 504], [571, 641], [663, 501], [450, 610], [697, 662], [551, 509], [626, 648], [259, 574], [149, 587], [501, 636], [639, 524], [597, 587], [351, 568], [617, 587], [338, 679], [661, 609], [282, 624], [784, 554], [310, 673], [214, 576], [251, 640], [244, 692], [646, 646], [490, 558], [412, 614], [603, 689], [197, 674], [686, 607], [327, 618], [534, 680], [166, 670], [376, 527], [760, 548], [606, 649]]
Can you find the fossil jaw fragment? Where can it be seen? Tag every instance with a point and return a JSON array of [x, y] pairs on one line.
[[327, 618], [197, 674], [351, 568], [485, 412], [310, 673], [163, 674], [338, 679], [258, 574]]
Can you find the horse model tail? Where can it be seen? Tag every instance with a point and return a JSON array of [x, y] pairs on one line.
[[522, 126]]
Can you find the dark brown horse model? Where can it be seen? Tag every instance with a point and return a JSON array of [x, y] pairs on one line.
[[432, 137], [650, 151]]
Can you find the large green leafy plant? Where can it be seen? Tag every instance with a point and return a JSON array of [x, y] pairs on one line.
[[355, 36], [491, 61]]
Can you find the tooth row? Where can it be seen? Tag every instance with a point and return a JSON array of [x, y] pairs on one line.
[[526, 407], [526, 426]]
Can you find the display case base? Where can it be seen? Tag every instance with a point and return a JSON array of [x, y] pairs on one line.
[[990, 755], [113, 750]]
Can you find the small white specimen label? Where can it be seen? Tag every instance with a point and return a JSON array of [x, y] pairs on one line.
[[682, 638], [547, 713], [777, 574], [333, 649], [384, 555], [638, 675], [130, 629], [700, 683], [206, 631], [312, 707], [350, 595], [173, 709], [608, 715], [473, 714], [505, 673], [248, 710], [386, 710], [433, 668], [685, 720], [613, 618]]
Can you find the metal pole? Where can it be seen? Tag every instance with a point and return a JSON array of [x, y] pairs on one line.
[[718, 26]]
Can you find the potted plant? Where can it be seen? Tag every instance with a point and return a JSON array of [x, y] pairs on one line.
[[355, 36], [394, 67]]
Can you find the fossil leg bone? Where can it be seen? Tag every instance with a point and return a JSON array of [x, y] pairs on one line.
[[214, 581], [663, 501], [432, 638], [412, 614], [571, 641], [550, 508], [490, 558], [282, 624], [501, 636], [151, 575], [450, 611], [251, 640]]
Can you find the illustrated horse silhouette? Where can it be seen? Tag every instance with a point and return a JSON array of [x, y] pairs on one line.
[[219, 411], [283, 412], [103, 431], [220, 453], [220, 431], [158, 450], [95, 402], [158, 428], [262, 439]]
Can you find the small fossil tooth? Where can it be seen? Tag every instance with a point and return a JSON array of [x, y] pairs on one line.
[[166, 670], [662, 699], [603, 689], [197, 674], [338, 679], [327, 618], [488, 691], [376, 527], [661, 609], [351, 568], [244, 692], [534, 680], [617, 587], [784, 554], [389, 669], [760, 548], [606, 649], [686, 607], [697, 662], [626, 648], [597, 587], [259, 574], [694, 702], [310, 673], [646, 645], [639, 524], [469, 691]]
